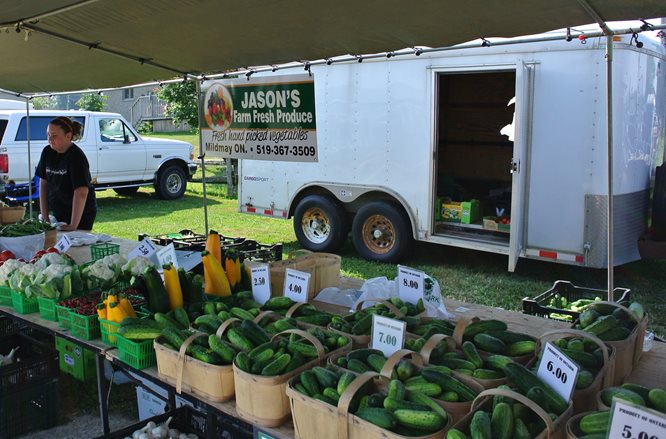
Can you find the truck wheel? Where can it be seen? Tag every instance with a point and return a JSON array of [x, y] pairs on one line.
[[381, 232], [320, 224], [126, 190], [171, 183]]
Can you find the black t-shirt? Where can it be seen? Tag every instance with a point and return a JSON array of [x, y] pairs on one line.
[[64, 173]]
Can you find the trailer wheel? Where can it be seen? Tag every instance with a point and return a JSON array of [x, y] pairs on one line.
[[320, 224], [381, 232]]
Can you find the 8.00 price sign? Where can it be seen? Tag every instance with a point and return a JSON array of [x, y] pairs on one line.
[[558, 371], [630, 421], [388, 335], [410, 284]]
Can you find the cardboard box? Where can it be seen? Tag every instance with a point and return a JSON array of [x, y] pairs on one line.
[[491, 223], [465, 212]]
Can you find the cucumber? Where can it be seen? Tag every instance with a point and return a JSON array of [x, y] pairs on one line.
[[524, 379], [309, 381], [344, 381], [450, 383], [428, 389], [425, 400], [509, 337], [615, 334], [278, 303], [601, 325], [139, 332], [588, 317], [501, 421], [497, 362], [457, 363], [205, 355], [420, 420], [208, 319], [305, 349], [243, 362], [357, 366], [484, 326], [455, 434], [609, 393], [520, 429], [326, 377], [538, 396], [378, 416], [405, 370], [657, 398], [520, 348], [180, 315], [450, 397], [396, 390], [471, 354], [240, 313], [277, 366], [253, 332], [165, 320], [171, 335], [237, 339], [392, 404], [480, 427], [224, 350], [487, 374], [595, 422], [584, 359], [331, 393], [638, 310], [641, 390], [585, 379], [362, 327], [376, 362], [489, 343]]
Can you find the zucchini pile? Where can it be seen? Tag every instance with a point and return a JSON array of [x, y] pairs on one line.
[[586, 354], [492, 336], [609, 322], [434, 381], [285, 354]]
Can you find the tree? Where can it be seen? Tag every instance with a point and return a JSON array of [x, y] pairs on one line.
[[43, 103], [181, 101], [92, 102]]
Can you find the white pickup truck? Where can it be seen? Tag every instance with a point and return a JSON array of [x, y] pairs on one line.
[[120, 159]]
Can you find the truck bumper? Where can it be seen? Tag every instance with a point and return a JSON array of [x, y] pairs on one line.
[[191, 170]]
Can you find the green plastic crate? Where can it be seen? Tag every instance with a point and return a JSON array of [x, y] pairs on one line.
[[23, 305], [5, 296], [98, 251], [76, 360], [139, 355], [84, 327], [108, 329], [63, 316], [47, 309]]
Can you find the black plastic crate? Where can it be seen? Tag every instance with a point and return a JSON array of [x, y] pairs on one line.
[[9, 326], [538, 306], [34, 361], [32, 407], [188, 420]]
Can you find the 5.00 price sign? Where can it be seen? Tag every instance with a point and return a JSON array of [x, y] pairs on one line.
[[558, 371], [388, 335], [296, 285], [630, 421]]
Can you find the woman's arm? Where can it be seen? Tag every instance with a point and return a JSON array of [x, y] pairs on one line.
[[43, 199], [78, 203]]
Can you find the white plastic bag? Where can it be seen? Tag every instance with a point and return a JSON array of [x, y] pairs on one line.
[[433, 300], [23, 246], [377, 288]]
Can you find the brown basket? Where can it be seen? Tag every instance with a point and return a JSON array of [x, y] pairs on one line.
[[459, 331], [554, 429], [573, 425], [628, 351], [50, 238], [435, 339], [11, 215], [324, 269], [215, 383], [584, 399], [316, 419], [262, 400], [362, 341]]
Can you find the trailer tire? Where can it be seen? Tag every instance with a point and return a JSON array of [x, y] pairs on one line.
[[381, 232], [320, 224]]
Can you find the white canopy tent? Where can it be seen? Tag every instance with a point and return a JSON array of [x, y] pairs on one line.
[[66, 45]]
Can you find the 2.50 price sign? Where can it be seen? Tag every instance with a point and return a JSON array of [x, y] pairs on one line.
[[261, 286]]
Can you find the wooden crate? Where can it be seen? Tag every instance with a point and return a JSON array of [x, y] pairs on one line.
[[11, 215], [324, 269]]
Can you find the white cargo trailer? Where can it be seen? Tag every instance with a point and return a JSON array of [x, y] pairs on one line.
[[397, 136]]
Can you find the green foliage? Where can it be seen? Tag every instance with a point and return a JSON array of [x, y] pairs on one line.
[[145, 127], [43, 103], [181, 101], [92, 102]]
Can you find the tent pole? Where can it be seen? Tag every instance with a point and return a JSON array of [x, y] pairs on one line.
[[609, 130], [203, 164], [27, 131]]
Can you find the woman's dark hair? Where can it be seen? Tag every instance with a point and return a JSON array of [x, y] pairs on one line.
[[68, 126]]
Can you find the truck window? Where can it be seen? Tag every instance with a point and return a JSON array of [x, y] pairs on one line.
[[38, 125], [3, 128], [115, 130]]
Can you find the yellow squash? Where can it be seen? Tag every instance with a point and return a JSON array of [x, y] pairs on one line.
[[216, 282], [172, 285]]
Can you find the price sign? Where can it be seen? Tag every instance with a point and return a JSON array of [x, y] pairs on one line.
[[558, 371], [63, 244], [630, 421], [167, 255], [388, 335], [146, 248], [296, 284], [261, 285], [410, 284]]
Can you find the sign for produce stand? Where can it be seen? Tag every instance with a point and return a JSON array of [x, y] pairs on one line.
[[167, 255], [146, 248], [630, 421], [410, 284], [388, 335], [261, 284], [296, 284], [63, 243], [260, 118], [558, 371]]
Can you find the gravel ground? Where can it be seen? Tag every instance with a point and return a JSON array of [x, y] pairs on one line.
[[78, 410]]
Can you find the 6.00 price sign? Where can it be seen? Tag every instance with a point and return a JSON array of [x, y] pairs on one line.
[[558, 371], [630, 421], [388, 335]]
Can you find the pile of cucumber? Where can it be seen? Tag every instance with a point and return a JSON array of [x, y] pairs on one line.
[[586, 354], [428, 328], [434, 381], [469, 362], [285, 354], [307, 313], [609, 322], [494, 337], [360, 322]]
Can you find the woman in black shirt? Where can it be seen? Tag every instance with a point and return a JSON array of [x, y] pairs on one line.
[[65, 184]]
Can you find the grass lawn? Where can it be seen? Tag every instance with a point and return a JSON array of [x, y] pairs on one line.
[[463, 274]]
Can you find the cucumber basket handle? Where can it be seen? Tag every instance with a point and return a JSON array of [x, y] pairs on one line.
[[461, 325], [432, 343], [345, 401], [181, 357], [321, 352], [394, 309], [387, 369]]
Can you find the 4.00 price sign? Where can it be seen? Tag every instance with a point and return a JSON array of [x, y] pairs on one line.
[[630, 421], [296, 285], [558, 371], [388, 335]]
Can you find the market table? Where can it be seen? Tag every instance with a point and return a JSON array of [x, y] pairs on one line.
[[646, 373]]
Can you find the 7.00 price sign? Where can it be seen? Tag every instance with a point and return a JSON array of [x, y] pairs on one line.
[[630, 421], [388, 335]]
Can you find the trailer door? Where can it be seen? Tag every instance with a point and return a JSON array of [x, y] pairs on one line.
[[520, 161]]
